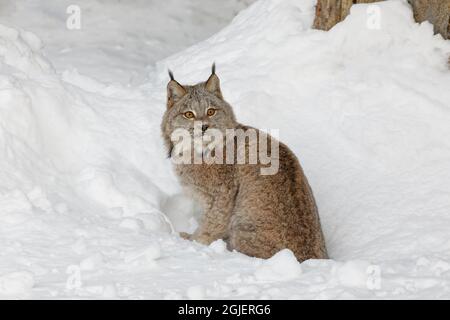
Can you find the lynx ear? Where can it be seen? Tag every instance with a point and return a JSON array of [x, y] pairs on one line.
[[175, 91], [213, 83]]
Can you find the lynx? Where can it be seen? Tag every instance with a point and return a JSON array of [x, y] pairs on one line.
[[255, 214]]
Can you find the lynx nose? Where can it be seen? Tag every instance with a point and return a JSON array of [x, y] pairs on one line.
[[204, 127]]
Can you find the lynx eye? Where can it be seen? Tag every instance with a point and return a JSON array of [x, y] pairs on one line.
[[210, 112], [189, 115]]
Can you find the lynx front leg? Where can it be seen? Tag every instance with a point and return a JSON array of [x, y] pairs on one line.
[[212, 227], [215, 219]]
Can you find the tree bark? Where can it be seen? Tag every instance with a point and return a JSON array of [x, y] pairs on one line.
[[435, 11], [330, 12]]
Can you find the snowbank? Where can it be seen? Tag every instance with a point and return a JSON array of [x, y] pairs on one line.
[[88, 201], [113, 46], [72, 174]]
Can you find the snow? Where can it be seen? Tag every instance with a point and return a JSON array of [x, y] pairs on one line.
[[196, 292], [90, 208], [14, 284], [127, 45], [281, 266]]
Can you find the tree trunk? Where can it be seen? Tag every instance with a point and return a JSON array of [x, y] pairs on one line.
[[330, 12], [435, 11]]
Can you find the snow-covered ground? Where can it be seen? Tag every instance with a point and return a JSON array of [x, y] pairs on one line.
[[88, 202], [118, 40]]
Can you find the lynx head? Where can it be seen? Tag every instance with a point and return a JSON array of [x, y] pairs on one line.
[[193, 104]]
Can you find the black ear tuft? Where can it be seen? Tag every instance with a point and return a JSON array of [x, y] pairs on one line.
[[169, 152], [175, 91], [213, 83], [171, 74]]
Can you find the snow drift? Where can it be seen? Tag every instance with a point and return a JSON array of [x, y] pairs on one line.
[[88, 203]]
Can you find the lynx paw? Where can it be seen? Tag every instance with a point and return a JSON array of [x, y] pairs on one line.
[[185, 235], [202, 238]]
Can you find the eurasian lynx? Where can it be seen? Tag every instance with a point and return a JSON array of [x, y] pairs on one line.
[[253, 213]]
